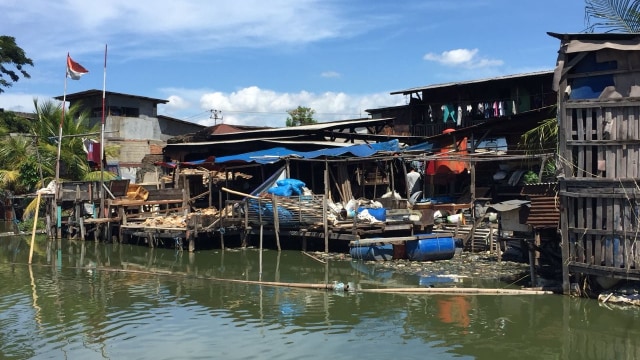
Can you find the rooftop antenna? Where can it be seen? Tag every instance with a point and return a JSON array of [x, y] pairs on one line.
[[215, 115]]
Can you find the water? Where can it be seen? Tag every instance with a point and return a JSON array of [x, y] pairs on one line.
[[75, 303]]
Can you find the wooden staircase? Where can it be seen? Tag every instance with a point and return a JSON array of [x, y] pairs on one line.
[[482, 240]]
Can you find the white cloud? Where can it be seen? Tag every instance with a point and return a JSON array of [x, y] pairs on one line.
[[177, 102], [143, 28], [20, 102], [330, 74], [263, 107], [467, 58]]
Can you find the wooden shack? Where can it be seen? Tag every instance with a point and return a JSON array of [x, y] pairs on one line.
[[598, 86]]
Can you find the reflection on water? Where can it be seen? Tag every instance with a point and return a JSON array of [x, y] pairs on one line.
[[84, 300]]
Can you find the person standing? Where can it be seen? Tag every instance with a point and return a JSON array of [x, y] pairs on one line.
[[413, 181]]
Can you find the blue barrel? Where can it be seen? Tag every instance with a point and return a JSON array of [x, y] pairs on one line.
[[372, 252], [431, 249]]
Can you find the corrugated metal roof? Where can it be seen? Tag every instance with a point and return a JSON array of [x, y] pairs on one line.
[[594, 36], [95, 92], [545, 205], [283, 132], [458, 83]]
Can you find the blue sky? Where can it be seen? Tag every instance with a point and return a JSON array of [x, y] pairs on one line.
[[255, 59]]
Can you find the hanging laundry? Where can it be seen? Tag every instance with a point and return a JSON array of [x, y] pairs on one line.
[[448, 112], [501, 108], [459, 118]]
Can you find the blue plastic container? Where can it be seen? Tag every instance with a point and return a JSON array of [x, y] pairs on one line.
[[379, 213], [372, 252], [433, 249]]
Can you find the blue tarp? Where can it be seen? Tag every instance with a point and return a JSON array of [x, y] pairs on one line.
[[273, 155]]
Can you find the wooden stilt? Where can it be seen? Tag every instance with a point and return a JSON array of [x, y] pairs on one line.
[[260, 256], [532, 263], [276, 221]]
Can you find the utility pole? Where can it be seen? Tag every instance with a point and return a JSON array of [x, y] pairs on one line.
[[215, 115]]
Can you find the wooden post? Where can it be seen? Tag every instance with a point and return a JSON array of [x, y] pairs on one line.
[[186, 194], [276, 221], [392, 183], [498, 243], [58, 220], [246, 225], [564, 244], [210, 191], [220, 218], [304, 243], [472, 188], [532, 264], [260, 256], [404, 173], [325, 222], [33, 231], [261, 233]]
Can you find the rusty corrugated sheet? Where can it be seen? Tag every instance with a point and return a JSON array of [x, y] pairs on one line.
[[545, 205]]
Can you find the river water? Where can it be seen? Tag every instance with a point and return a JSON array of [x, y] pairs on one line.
[[86, 300]]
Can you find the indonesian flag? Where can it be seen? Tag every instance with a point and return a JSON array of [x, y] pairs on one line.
[[75, 70]]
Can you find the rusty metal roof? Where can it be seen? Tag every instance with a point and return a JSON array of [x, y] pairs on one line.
[[462, 83], [545, 205]]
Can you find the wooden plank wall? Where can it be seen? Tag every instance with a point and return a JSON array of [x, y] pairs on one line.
[[603, 225], [602, 140], [600, 154]]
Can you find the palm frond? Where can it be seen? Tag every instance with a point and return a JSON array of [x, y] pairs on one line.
[[97, 176], [30, 209], [543, 138], [613, 15]]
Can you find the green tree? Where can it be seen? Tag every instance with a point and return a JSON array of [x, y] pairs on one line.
[[301, 116], [28, 160], [12, 61], [613, 15]]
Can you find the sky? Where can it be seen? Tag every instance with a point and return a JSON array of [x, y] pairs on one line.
[[249, 61]]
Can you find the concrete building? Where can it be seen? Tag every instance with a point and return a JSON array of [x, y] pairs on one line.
[[133, 130]]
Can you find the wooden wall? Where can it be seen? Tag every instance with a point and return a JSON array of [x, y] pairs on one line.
[[600, 192]]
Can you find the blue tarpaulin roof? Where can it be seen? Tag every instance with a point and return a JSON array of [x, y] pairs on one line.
[[273, 155]]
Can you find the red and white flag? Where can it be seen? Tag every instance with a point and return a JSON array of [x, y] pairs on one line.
[[75, 70]]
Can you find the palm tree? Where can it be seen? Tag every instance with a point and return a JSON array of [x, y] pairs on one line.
[[612, 15], [27, 158], [75, 128], [18, 164]]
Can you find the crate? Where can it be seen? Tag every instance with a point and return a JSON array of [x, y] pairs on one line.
[[137, 192]]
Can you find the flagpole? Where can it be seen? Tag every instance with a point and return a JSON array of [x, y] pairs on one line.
[[64, 102], [104, 90]]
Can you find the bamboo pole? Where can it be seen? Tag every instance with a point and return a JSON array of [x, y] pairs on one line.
[[240, 193], [35, 224], [439, 291], [461, 291], [314, 258]]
